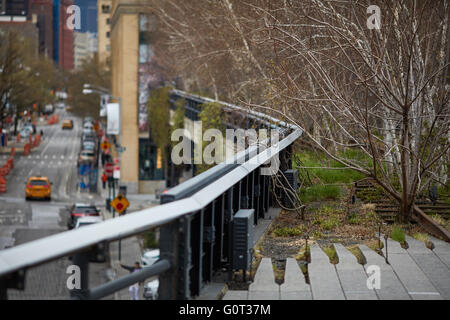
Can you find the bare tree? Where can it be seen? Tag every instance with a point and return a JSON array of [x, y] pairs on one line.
[[318, 64]]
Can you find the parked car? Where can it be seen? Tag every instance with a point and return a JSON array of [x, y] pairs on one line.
[[88, 128], [149, 257], [26, 131], [88, 137], [86, 156], [100, 251], [38, 187], [151, 290], [89, 145], [79, 210]]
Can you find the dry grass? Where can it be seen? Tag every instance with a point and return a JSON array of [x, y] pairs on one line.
[[330, 251], [358, 254]]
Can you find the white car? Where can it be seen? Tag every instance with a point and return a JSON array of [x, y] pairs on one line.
[[149, 257], [88, 128], [100, 253], [151, 290], [86, 221]]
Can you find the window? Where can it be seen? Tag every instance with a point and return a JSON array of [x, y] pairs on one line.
[[108, 47], [105, 8], [108, 34], [108, 21]]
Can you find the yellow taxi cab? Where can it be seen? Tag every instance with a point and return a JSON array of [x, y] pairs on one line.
[[67, 124], [38, 187]]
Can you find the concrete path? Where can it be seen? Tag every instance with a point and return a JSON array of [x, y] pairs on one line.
[[436, 271], [264, 286], [390, 287], [324, 280], [417, 284], [352, 276], [442, 250], [294, 286], [416, 273]]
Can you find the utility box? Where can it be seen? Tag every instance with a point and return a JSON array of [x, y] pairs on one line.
[[243, 233], [288, 199]]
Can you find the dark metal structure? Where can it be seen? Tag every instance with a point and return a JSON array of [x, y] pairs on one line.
[[198, 234]]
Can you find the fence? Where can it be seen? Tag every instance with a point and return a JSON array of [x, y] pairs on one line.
[[195, 219]]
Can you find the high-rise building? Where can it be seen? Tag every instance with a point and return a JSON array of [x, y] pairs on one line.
[[104, 30], [88, 11], [42, 11], [62, 34], [85, 47], [14, 7]]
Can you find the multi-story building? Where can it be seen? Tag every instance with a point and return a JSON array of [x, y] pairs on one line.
[[13, 17], [62, 35], [14, 7], [85, 47], [104, 30], [131, 22], [42, 11]]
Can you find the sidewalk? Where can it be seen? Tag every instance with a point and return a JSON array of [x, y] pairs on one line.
[[131, 248]]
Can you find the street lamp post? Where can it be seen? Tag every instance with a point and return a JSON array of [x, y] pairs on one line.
[[89, 89]]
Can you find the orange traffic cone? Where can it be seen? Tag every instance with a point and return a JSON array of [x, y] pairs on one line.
[[2, 184]]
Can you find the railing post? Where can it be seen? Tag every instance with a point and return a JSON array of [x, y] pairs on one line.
[[81, 260], [168, 246]]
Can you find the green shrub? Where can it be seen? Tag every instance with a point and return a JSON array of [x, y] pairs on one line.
[[150, 241], [398, 234], [319, 193], [289, 232], [330, 223]]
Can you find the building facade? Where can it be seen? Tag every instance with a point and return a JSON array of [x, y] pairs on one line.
[[85, 47], [14, 7], [42, 11], [132, 78], [104, 30], [62, 35]]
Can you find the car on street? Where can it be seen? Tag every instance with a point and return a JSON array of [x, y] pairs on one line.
[[88, 137], [86, 156], [80, 210], [149, 257], [26, 131], [67, 124], [99, 251], [87, 221], [151, 290], [38, 187], [89, 145], [88, 128]]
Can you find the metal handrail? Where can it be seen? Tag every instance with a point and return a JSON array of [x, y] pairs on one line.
[[69, 242]]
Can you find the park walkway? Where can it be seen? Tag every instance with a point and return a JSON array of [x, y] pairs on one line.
[[416, 273]]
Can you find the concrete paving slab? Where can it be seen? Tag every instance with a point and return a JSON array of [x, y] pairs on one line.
[[417, 284], [295, 295], [294, 280], [236, 295], [416, 246], [431, 265], [442, 250], [264, 295], [390, 286], [352, 276], [323, 277], [264, 277]]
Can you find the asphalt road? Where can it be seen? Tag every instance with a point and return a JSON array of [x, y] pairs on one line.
[[22, 221]]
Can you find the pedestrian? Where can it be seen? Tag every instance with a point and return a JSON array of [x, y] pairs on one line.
[[42, 133], [134, 289], [103, 159], [104, 179]]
